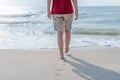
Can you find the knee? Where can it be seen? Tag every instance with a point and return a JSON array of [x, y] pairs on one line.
[[60, 33], [67, 31]]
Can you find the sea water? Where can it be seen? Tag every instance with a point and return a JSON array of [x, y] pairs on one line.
[[29, 28]]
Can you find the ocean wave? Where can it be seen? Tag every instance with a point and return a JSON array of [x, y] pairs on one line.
[[84, 13], [16, 15], [108, 21], [98, 32], [21, 23], [90, 32], [101, 20]]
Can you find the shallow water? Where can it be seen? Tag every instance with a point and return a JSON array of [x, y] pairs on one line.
[[29, 28]]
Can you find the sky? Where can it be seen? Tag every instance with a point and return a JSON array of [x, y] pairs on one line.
[[42, 3]]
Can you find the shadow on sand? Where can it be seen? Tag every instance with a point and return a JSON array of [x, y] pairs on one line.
[[91, 72]]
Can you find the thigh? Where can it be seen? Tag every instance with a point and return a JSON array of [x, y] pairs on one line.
[[58, 22], [68, 21]]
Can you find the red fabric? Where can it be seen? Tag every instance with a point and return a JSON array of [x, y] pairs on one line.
[[62, 7]]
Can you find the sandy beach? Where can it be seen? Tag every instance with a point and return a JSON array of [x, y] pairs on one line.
[[45, 64]]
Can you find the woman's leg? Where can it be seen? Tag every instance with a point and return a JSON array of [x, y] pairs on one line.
[[67, 40], [68, 26], [60, 43]]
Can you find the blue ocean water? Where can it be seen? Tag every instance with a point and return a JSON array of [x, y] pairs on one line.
[[29, 28]]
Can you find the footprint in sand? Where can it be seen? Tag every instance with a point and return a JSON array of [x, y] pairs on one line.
[[60, 68], [58, 72]]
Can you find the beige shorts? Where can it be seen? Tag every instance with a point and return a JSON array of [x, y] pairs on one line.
[[62, 21]]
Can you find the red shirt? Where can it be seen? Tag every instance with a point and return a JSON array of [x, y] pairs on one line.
[[62, 7]]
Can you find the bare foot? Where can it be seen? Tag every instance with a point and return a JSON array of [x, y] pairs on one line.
[[62, 58], [66, 50]]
